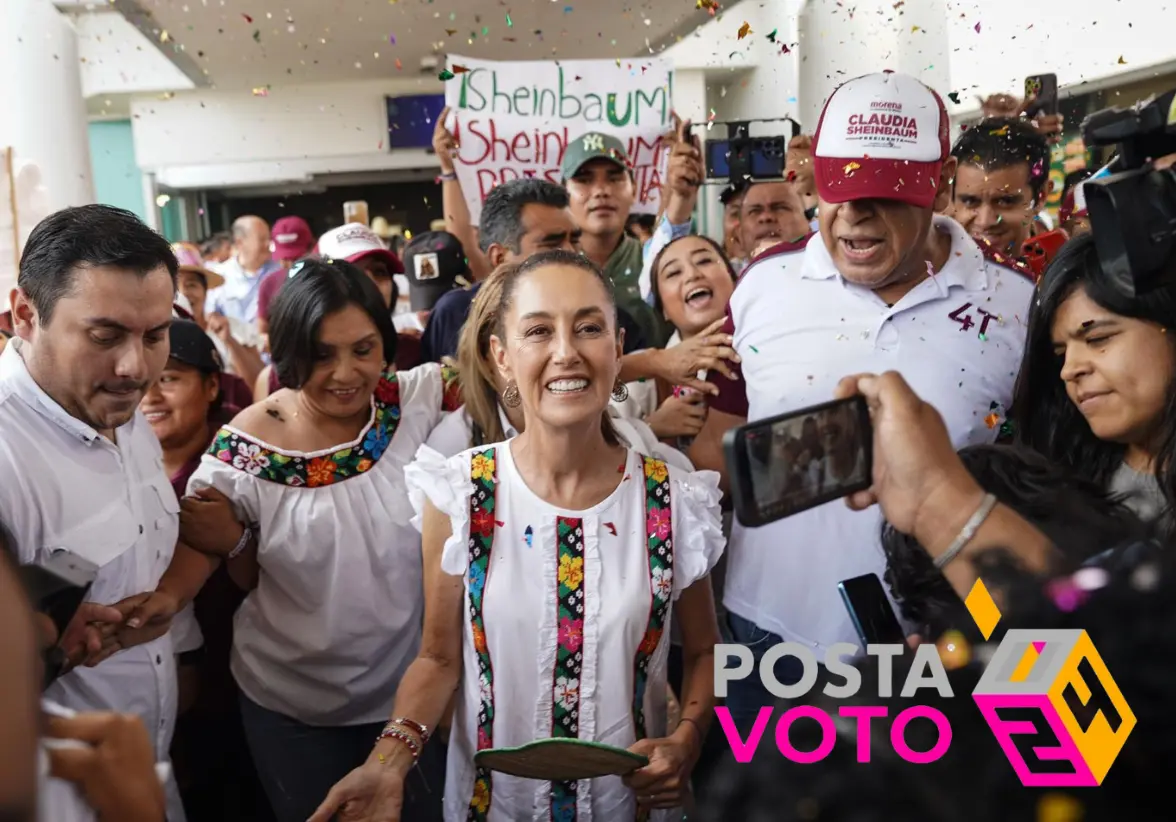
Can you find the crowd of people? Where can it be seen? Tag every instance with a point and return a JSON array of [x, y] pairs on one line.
[[358, 515]]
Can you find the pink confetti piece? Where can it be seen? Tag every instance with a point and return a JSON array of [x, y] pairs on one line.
[[977, 27]]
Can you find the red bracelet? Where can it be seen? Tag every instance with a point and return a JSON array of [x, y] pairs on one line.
[[413, 746], [421, 730]]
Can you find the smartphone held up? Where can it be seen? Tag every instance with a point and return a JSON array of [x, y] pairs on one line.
[[789, 463]]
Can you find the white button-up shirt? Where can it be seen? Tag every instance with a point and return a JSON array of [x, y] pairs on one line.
[[67, 488], [237, 298], [957, 338]]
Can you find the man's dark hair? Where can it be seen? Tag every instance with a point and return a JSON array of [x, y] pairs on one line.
[[502, 212], [209, 246], [90, 236], [319, 289], [1004, 142], [1079, 516]]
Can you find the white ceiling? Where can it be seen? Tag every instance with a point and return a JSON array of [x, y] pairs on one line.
[[253, 43]]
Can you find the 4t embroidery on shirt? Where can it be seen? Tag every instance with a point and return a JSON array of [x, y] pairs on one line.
[[963, 316]]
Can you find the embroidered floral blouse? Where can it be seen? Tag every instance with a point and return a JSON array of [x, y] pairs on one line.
[[336, 616], [567, 619]]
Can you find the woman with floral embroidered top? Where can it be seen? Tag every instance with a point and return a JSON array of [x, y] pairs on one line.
[[317, 472], [554, 564]]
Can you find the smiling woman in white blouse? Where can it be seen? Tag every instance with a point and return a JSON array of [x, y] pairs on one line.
[[555, 563], [321, 642], [483, 419]]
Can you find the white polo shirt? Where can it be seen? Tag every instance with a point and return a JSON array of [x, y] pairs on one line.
[[65, 487], [957, 338]]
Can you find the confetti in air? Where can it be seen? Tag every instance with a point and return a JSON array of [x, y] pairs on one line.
[[977, 27], [954, 96], [744, 30], [248, 19], [446, 74], [709, 6], [612, 529], [460, 69], [528, 535], [772, 35], [850, 168], [261, 91], [509, 22]]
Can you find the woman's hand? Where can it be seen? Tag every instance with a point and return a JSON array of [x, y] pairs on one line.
[[373, 792], [679, 416], [707, 351], [663, 783], [208, 523]]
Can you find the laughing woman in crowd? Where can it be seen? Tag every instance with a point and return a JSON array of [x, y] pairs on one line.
[[484, 418], [1096, 391], [554, 564], [317, 471]]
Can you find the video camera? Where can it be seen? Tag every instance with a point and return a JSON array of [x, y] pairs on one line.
[[1133, 210], [741, 157]]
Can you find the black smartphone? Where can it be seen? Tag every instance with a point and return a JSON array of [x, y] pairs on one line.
[[1041, 94], [786, 464], [58, 586], [870, 610]]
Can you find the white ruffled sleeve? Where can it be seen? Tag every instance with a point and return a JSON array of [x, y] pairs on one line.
[[446, 484], [698, 525], [239, 486]]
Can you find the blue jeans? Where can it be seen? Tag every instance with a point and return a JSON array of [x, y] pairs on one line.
[[298, 764], [747, 696]]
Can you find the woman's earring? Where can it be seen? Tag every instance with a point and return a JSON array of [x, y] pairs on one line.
[[511, 397], [620, 391]]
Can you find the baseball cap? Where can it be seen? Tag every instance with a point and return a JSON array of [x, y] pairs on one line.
[[592, 146], [188, 256], [353, 242], [881, 136], [292, 238], [434, 260], [192, 346]]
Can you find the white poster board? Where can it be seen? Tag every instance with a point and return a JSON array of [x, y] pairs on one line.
[[514, 119], [9, 228]]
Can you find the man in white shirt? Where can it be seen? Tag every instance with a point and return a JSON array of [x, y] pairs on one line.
[[91, 313], [243, 272], [885, 285]]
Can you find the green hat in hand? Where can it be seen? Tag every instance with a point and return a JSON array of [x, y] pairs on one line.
[[592, 146]]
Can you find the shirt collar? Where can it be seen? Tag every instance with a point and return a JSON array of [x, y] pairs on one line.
[[507, 428], [965, 266], [15, 372]]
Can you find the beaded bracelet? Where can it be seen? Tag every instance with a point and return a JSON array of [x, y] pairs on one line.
[[413, 746], [411, 724]]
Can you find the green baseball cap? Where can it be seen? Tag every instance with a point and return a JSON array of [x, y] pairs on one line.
[[592, 146]]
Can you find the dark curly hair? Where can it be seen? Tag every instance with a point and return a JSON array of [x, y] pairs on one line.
[[1078, 516]]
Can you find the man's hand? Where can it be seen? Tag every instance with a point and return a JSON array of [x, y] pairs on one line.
[[146, 617], [706, 351], [444, 142], [84, 635], [1049, 126], [918, 479], [208, 523], [679, 416], [114, 770], [219, 324]]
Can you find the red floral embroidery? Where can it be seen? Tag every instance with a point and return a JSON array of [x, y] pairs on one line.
[[388, 392], [571, 633], [482, 522], [658, 522], [650, 642], [321, 471]]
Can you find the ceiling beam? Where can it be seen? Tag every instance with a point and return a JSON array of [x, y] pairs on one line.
[[141, 19]]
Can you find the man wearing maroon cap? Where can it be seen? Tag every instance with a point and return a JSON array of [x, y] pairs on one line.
[[292, 239], [886, 285]]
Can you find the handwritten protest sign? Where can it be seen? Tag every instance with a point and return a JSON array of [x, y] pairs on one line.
[[515, 119]]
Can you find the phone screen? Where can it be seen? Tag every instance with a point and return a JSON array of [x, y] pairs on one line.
[[789, 463], [870, 610]]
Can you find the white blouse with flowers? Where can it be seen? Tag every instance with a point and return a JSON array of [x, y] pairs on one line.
[[566, 619], [336, 616]]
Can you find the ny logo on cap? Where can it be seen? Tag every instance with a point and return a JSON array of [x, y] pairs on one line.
[[594, 142]]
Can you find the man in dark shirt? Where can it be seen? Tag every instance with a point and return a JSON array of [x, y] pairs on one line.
[[519, 218]]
